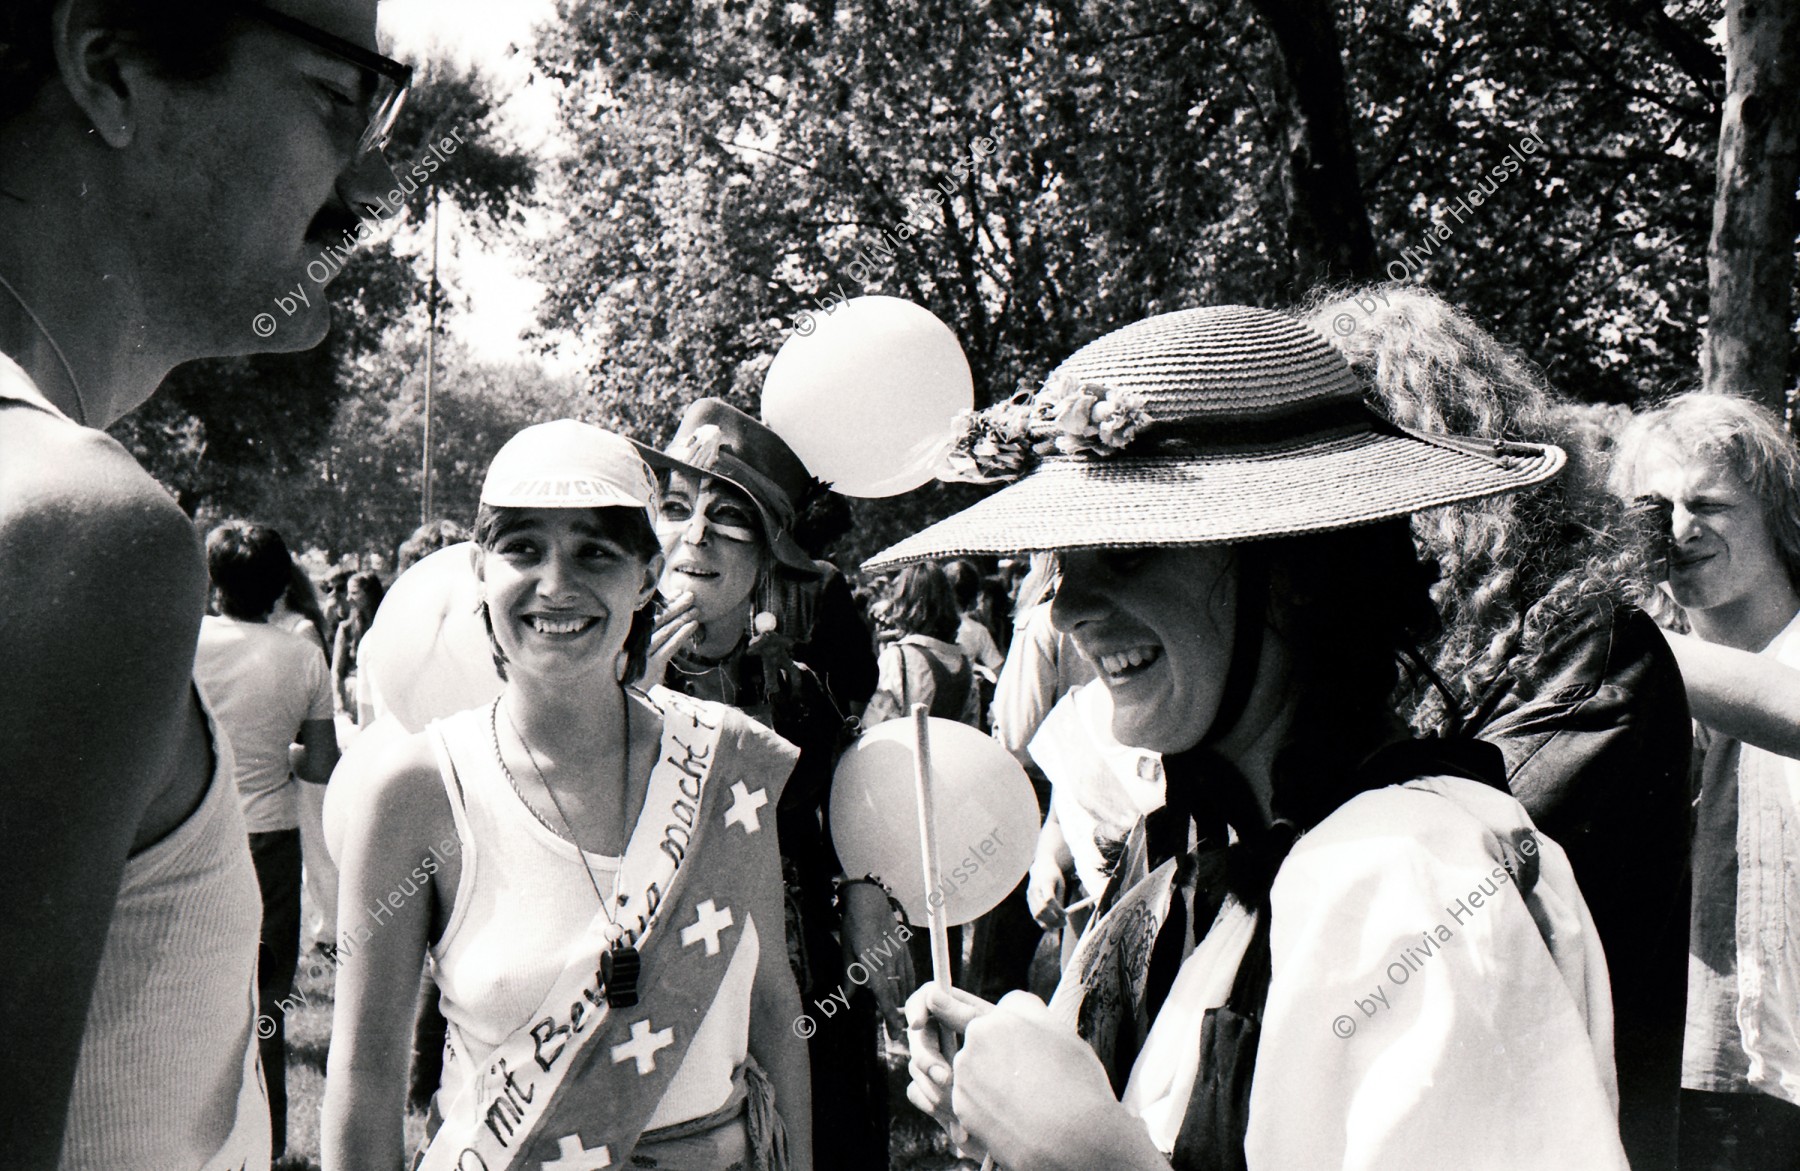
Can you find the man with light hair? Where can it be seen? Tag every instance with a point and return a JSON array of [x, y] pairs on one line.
[[168, 174], [1731, 477]]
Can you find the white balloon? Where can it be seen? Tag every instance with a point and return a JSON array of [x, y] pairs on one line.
[[426, 655], [986, 818], [866, 398]]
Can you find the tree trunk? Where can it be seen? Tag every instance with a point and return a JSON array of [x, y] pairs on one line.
[[1750, 263], [1328, 222]]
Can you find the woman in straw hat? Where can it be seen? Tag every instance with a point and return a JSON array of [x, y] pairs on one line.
[[591, 870], [752, 620], [1333, 946]]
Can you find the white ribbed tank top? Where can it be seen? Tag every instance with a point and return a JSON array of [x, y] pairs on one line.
[[168, 1073], [522, 898]]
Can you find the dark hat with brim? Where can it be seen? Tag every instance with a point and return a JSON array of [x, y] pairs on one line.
[[716, 439], [1204, 427]]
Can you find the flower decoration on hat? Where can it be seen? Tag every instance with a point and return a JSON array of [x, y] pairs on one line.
[[1066, 417]]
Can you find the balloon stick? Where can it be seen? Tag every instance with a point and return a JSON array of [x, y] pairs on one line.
[[934, 909], [928, 846]]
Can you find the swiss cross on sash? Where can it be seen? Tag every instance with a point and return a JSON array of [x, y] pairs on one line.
[[573, 1088]]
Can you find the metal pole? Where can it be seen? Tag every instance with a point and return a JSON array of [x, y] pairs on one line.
[[425, 512]]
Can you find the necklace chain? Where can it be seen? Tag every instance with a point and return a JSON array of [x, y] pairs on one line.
[[624, 781], [721, 672], [494, 726], [68, 370]]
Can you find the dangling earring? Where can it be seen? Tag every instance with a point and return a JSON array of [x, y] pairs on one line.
[[764, 616], [487, 620]]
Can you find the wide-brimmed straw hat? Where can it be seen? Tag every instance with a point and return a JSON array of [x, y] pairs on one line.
[[716, 439], [1203, 427]]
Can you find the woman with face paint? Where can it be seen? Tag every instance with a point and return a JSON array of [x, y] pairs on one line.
[[751, 620], [1334, 946], [590, 868]]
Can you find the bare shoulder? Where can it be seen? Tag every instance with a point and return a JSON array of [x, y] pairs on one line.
[[105, 585], [74, 504], [395, 793]]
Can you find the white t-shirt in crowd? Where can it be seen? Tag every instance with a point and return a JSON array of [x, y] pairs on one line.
[[262, 683]]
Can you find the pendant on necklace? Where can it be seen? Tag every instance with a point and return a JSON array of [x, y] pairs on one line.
[[619, 971]]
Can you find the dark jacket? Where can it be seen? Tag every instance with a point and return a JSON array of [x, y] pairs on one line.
[[1597, 751]]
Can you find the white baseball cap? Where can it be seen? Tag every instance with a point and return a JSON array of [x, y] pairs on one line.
[[568, 464]]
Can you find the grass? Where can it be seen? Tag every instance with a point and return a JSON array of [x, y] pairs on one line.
[[916, 1142]]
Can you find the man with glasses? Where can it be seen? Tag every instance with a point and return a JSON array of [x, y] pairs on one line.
[[166, 170]]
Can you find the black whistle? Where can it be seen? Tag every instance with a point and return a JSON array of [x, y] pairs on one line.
[[619, 971]]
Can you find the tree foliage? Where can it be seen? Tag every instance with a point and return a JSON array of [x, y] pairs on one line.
[[729, 167], [363, 483], [1592, 258], [735, 164]]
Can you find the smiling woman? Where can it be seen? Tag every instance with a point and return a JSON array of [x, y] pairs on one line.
[[605, 548], [750, 619], [603, 834], [1229, 522]]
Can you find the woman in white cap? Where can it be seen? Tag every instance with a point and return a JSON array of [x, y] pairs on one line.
[[1333, 946], [591, 870]]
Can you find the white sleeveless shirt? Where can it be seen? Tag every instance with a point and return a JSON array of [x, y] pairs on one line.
[[168, 1074], [522, 897]]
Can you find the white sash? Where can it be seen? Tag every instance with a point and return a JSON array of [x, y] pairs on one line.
[[497, 1118]]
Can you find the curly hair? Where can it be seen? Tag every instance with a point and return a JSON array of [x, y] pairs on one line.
[[1742, 435], [1515, 571]]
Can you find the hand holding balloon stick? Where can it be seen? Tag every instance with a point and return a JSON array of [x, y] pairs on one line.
[[868, 401], [973, 808]]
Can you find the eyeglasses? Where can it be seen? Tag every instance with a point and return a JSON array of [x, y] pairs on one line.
[[392, 79]]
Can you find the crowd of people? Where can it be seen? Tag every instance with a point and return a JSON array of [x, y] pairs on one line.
[[1416, 748]]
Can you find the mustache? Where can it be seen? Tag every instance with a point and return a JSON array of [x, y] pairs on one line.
[[333, 222]]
